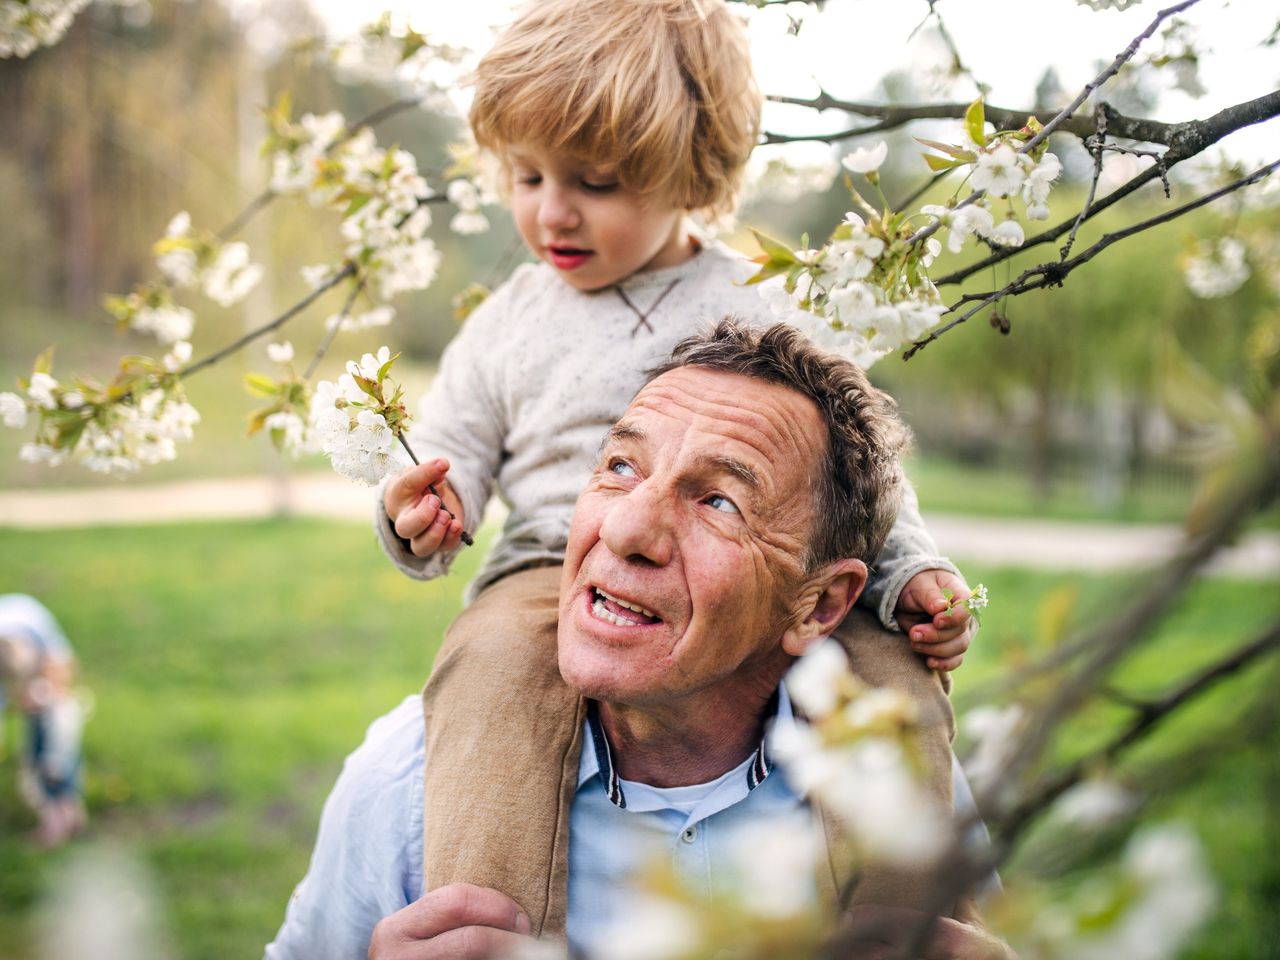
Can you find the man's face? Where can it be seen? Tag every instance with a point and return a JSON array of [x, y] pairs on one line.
[[685, 558]]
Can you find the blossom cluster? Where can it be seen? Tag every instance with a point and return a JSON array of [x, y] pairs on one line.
[[855, 752], [380, 195], [356, 424], [27, 25], [186, 260], [284, 417], [1146, 906], [138, 419], [867, 292], [394, 54]]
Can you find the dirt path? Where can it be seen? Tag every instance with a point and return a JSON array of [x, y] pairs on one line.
[[1027, 543]]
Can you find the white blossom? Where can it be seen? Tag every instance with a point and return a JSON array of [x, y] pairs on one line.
[[1093, 803], [1109, 4], [772, 865], [41, 453], [1216, 268], [13, 410], [40, 391], [72, 400], [317, 275], [1008, 234], [168, 323], [358, 441], [280, 352], [866, 159], [999, 171], [968, 221], [651, 928], [1040, 178], [813, 682], [27, 26], [469, 222], [293, 430], [231, 276], [178, 266], [994, 732], [178, 356]]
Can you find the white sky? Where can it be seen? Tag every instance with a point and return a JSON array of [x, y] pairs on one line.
[[1008, 43]]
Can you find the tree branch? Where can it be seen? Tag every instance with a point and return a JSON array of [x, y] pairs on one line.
[[262, 331], [1149, 715], [1190, 139], [1054, 272], [893, 116]]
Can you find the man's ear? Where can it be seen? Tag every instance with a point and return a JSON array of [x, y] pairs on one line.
[[824, 602]]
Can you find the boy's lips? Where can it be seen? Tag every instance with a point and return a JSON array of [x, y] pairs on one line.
[[568, 258]]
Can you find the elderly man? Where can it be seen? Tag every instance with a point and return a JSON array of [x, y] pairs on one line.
[[722, 534]]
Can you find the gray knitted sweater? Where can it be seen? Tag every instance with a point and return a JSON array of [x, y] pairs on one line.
[[537, 375]]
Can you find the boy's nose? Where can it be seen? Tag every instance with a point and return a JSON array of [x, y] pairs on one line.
[[557, 211]]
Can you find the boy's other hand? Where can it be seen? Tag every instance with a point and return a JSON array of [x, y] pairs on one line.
[[940, 637], [417, 514]]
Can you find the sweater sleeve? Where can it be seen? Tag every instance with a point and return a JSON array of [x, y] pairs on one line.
[[907, 550], [463, 419]]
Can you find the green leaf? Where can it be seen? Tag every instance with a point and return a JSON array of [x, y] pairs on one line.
[[768, 269], [258, 419], [260, 385], [938, 164], [776, 251], [386, 368], [44, 362], [975, 119]]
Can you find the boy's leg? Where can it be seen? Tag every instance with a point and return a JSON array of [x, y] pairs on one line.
[[883, 658], [502, 746]]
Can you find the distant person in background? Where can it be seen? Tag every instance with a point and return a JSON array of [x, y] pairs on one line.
[[37, 669]]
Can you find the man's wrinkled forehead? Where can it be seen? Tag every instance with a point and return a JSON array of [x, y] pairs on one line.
[[771, 419]]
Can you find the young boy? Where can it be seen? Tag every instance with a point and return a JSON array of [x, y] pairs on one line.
[[612, 122]]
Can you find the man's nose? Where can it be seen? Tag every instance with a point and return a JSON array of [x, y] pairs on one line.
[[557, 211], [639, 527]]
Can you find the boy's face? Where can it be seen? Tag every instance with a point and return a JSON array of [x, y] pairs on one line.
[[588, 227]]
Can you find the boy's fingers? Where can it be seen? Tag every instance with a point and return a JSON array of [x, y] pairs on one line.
[[948, 664], [413, 482], [414, 520], [428, 542]]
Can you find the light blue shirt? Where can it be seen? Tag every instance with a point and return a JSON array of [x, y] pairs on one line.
[[367, 862]]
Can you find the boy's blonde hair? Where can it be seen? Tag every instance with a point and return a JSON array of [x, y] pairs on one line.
[[659, 91]]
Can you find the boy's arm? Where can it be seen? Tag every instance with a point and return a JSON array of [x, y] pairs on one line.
[[462, 419], [907, 551]]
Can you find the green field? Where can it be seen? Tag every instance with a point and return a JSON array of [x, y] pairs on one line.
[[235, 664]]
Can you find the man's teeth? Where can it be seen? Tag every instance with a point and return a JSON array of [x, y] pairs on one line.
[[623, 603], [599, 609]]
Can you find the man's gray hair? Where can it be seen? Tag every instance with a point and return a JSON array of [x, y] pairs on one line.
[[859, 484]]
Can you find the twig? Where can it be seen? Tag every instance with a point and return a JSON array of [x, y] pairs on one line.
[[332, 333], [1095, 144], [1053, 273], [278, 322], [1121, 59], [465, 537]]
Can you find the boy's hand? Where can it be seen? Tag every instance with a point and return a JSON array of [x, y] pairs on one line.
[[942, 638], [418, 515]]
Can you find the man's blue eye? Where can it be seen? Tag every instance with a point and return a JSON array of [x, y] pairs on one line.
[[622, 468], [722, 503]]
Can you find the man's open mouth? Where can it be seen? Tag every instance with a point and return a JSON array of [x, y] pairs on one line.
[[622, 613]]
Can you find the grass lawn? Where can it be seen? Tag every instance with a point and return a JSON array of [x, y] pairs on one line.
[[235, 664]]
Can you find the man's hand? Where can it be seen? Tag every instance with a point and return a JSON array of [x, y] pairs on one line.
[[457, 922], [418, 515], [942, 638]]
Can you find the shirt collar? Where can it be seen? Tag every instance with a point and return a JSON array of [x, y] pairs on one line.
[[597, 753]]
